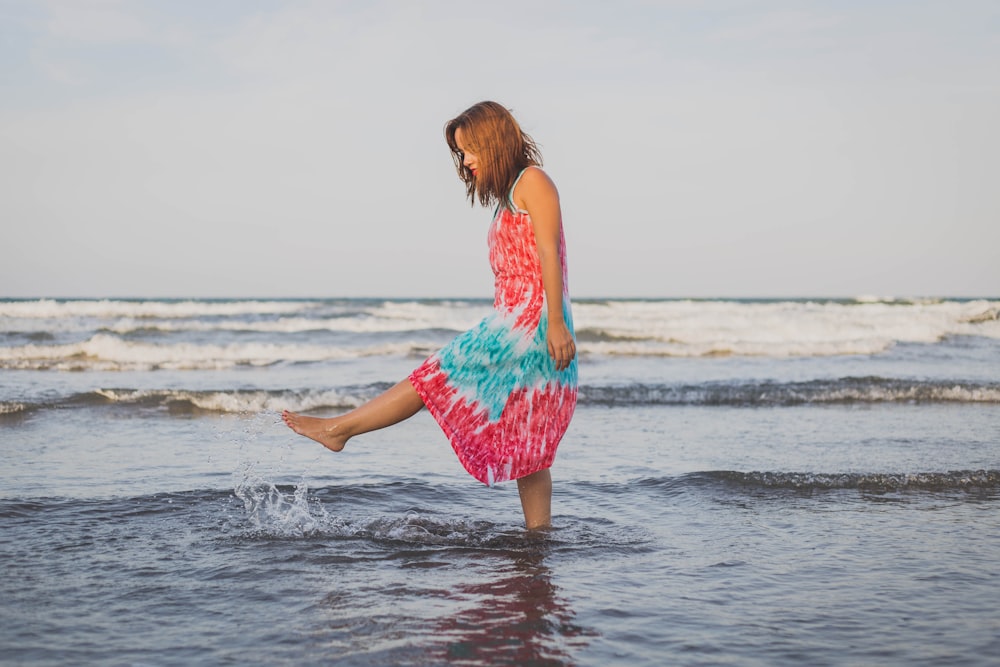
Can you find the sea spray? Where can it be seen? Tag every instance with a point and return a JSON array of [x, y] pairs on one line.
[[281, 513], [273, 509], [269, 509]]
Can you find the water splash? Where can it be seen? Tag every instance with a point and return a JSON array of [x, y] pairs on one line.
[[268, 509], [276, 513]]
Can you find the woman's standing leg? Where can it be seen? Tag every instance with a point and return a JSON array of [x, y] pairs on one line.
[[391, 407], [536, 499]]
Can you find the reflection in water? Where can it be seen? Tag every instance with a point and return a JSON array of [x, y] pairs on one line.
[[517, 619]]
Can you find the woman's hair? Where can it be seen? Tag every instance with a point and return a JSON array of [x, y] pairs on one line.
[[503, 150]]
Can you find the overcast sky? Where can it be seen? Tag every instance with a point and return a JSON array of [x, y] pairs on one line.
[[229, 148]]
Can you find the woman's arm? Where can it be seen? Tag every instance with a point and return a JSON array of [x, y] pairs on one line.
[[536, 193]]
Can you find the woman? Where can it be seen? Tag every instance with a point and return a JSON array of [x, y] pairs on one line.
[[504, 391]]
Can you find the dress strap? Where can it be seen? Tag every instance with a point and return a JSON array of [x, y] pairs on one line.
[[510, 195]]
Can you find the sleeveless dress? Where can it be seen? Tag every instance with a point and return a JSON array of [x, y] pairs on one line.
[[495, 390]]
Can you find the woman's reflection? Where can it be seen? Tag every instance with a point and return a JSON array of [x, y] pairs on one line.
[[516, 618]]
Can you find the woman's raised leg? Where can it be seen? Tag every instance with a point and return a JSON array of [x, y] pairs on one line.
[[536, 499], [391, 407]]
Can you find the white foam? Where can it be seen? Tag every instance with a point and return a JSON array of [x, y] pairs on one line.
[[735, 348], [620, 327], [289, 316], [412, 315], [12, 407], [357, 324], [109, 352], [107, 308], [704, 328], [240, 401]]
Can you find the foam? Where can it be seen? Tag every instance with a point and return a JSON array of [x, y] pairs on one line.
[[106, 308], [454, 315], [621, 327], [726, 348], [848, 390], [241, 401], [109, 352], [787, 328], [12, 407], [124, 317], [293, 325]]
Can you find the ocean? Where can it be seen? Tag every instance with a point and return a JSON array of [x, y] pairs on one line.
[[745, 482]]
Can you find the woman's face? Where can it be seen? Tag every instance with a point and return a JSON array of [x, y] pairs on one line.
[[469, 159]]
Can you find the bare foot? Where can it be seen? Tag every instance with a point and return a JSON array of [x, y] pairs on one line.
[[323, 431]]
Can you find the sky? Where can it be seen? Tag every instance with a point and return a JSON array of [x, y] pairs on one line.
[[723, 148]]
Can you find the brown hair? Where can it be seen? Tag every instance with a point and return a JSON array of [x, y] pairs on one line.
[[489, 130]]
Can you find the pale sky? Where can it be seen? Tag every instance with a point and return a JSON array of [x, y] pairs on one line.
[[725, 148]]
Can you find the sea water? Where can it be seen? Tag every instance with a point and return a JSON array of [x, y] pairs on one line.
[[744, 482]]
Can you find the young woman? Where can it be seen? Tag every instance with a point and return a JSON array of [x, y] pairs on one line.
[[504, 391]]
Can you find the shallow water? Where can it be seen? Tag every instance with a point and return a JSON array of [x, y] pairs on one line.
[[821, 509]]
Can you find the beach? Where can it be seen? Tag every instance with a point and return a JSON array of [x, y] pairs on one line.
[[745, 482]]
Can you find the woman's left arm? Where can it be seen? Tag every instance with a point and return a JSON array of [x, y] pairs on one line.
[[537, 194]]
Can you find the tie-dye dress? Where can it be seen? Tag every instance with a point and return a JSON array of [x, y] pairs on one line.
[[495, 389]]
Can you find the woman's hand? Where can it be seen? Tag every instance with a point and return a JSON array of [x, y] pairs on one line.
[[562, 347]]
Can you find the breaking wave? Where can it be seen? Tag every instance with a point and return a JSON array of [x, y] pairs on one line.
[[106, 352], [142, 335], [775, 394], [850, 390]]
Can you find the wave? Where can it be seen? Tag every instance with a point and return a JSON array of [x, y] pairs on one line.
[[267, 510], [236, 401], [258, 508], [107, 352], [776, 394], [782, 328], [111, 352], [958, 480], [349, 315], [142, 308], [622, 346], [682, 328], [285, 325], [763, 482], [843, 391]]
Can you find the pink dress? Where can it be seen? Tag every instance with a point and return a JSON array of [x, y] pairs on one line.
[[495, 389]]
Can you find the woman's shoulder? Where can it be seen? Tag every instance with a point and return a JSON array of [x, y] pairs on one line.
[[534, 172], [535, 179], [534, 185]]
